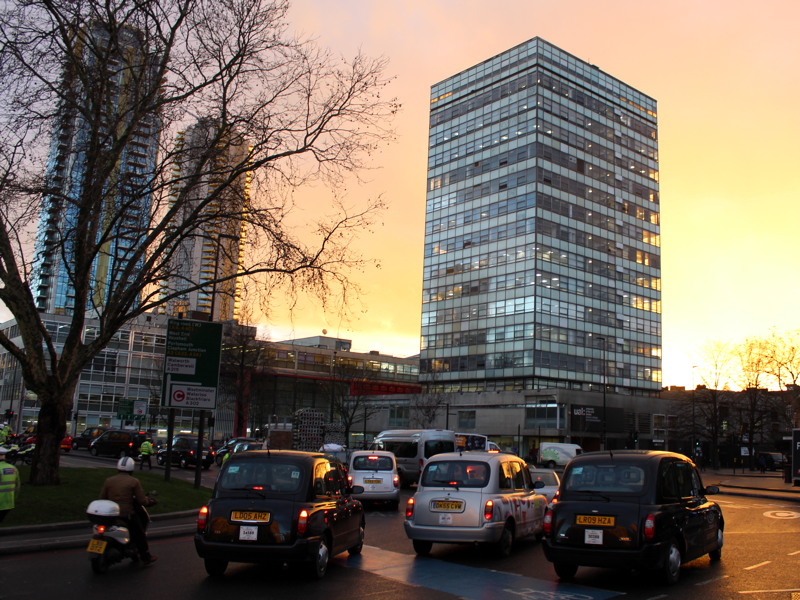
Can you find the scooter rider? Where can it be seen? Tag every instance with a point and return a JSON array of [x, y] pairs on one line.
[[124, 489]]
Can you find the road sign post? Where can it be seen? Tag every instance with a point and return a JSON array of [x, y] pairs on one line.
[[191, 375]]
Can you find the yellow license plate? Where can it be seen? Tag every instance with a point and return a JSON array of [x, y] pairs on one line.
[[243, 515], [448, 505], [373, 480], [97, 546], [603, 521]]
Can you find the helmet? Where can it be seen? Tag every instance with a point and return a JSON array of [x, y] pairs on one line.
[[125, 464]]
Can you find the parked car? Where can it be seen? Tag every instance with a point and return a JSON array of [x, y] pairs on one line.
[[228, 446], [184, 453], [280, 506], [773, 461], [475, 497], [641, 509], [65, 444], [117, 442], [85, 438], [549, 478], [373, 476]]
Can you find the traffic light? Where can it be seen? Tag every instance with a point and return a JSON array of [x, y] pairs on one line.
[[9, 414]]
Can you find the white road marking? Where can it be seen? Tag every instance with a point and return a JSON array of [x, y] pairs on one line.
[[761, 564]]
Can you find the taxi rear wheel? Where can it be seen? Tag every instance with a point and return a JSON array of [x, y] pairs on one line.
[[422, 547], [215, 567], [356, 550], [319, 565], [716, 555], [506, 542], [565, 571], [671, 570]]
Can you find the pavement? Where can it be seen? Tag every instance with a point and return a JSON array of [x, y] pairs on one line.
[[59, 536]]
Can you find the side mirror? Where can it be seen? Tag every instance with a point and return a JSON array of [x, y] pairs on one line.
[[356, 489], [538, 484], [711, 490]]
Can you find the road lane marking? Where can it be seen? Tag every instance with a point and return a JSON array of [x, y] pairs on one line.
[[712, 580], [782, 514], [470, 583], [790, 590], [761, 564], [795, 552]]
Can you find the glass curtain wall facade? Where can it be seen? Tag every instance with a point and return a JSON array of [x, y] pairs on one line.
[[119, 74], [542, 250], [215, 253]]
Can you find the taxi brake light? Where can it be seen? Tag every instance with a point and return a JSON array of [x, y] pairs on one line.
[[488, 510], [410, 508], [302, 522], [650, 526], [396, 481], [101, 529], [547, 524], [202, 519]]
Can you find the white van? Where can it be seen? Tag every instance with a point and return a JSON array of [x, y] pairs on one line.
[[412, 447], [554, 454]]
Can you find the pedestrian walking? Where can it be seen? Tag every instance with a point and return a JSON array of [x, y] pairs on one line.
[[9, 485], [146, 452]]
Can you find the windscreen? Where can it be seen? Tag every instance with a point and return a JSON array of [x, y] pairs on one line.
[[401, 449], [612, 477], [261, 476], [457, 473]]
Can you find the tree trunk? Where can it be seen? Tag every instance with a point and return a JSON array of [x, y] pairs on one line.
[[50, 431]]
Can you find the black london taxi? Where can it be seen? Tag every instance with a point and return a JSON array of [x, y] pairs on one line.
[[279, 506], [640, 509]]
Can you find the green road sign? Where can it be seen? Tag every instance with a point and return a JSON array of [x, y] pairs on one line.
[[191, 364]]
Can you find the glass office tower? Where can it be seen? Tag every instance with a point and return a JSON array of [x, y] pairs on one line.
[[542, 250]]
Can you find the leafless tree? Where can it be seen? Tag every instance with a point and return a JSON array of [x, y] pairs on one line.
[[118, 71], [349, 390]]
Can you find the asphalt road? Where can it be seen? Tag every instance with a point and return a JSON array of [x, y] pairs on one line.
[[761, 560]]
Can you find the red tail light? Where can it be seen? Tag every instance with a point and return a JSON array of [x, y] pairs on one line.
[[101, 529], [548, 522], [396, 481], [350, 481], [488, 510], [649, 527], [202, 519], [302, 522], [410, 508]]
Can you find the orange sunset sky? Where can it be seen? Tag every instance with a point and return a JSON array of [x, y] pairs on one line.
[[726, 76]]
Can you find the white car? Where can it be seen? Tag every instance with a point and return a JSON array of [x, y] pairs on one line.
[[549, 478], [373, 476], [475, 497]]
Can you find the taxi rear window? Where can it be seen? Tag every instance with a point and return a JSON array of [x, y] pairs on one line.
[[372, 463], [457, 473], [616, 477], [261, 477]]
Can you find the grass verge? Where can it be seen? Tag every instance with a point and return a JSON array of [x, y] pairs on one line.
[[79, 486]]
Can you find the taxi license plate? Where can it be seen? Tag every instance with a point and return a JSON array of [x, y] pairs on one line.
[[450, 505], [373, 480], [242, 515], [602, 520], [97, 546]]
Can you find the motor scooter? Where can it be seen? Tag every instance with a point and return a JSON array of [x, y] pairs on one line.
[[111, 541]]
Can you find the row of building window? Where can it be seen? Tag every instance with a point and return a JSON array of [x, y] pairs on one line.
[[524, 279], [564, 258], [578, 366], [543, 306], [544, 332], [540, 79], [557, 206]]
